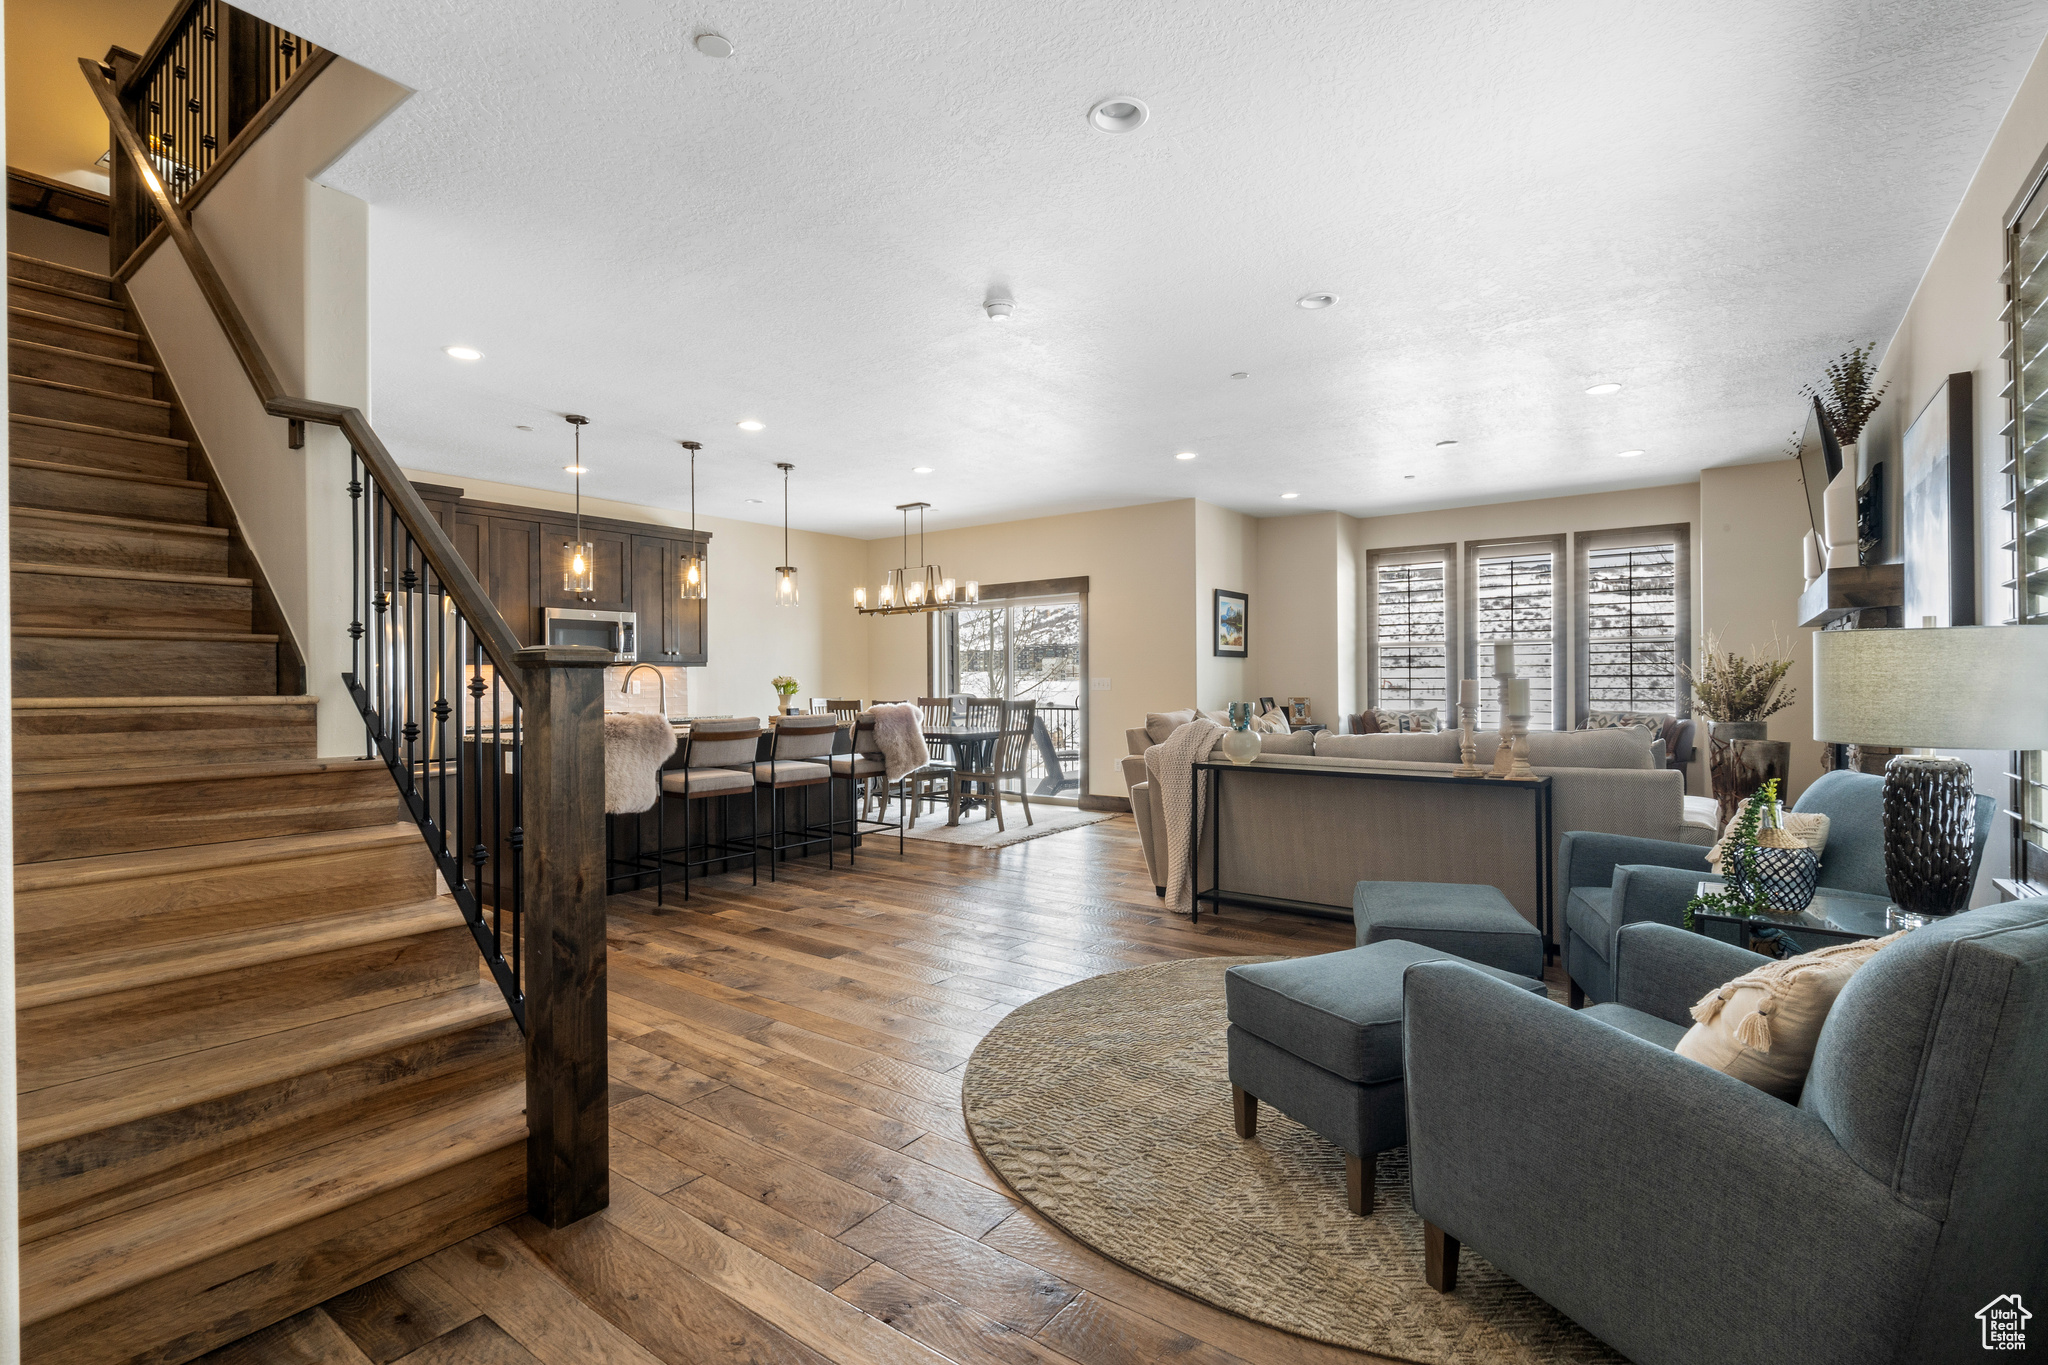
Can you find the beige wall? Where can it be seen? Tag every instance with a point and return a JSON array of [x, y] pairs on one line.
[[48, 241], [1752, 519], [819, 642], [54, 123], [295, 255], [1303, 621], [1140, 563], [1226, 556], [1953, 325]]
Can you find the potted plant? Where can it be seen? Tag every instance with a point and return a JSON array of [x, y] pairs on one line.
[[1737, 692], [785, 688], [1847, 399]]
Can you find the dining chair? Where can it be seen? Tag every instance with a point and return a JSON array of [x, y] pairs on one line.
[[799, 758], [718, 759], [845, 710], [1006, 760]]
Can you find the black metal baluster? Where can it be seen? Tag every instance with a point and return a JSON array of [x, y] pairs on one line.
[[478, 853], [441, 711], [355, 563], [497, 812], [518, 842], [374, 682], [405, 730], [458, 831]]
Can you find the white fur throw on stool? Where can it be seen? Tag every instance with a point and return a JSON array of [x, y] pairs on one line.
[[899, 733], [636, 744]]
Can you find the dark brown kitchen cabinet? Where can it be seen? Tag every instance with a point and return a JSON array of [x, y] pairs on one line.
[[516, 555]]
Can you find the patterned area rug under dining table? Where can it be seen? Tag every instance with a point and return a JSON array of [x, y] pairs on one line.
[[1106, 1106]]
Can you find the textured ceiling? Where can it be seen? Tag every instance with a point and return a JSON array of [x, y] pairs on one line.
[[1515, 200]]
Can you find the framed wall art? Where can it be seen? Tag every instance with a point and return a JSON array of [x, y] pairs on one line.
[[1938, 456], [1233, 624]]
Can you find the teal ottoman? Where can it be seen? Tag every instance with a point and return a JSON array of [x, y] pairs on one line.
[[1476, 923]]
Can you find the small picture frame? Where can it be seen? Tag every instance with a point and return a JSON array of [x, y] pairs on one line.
[[1232, 624], [1267, 705], [1297, 710]]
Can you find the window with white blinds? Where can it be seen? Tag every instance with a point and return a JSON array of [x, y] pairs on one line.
[[1409, 656], [1634, 620], [1515, 598], [2026, 481]]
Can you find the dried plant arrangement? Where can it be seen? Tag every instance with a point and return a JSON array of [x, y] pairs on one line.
[[1732, 687], [1846, 397]]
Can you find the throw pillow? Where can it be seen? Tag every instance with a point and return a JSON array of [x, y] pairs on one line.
[[1652, 721], [1406, 722], [1158, 724], [1272, 723], [1761, 1028], [1366, 724], [1811, 831]]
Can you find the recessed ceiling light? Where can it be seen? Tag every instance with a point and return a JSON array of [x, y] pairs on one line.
[[464, 352], [751, 425], [1626, 454], [1441, 445], [1120, 114], [574, 469], [1290, 495], [712, 45], [1185, 455], [1407, 476], [922, 469], [755, 501], [522, 428], [1602, 390], [1242, 374], [999, 310], [1313, 301]]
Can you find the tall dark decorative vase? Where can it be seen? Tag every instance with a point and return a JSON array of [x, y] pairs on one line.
[[1741, 758]]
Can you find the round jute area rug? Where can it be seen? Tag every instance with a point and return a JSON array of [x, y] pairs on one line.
[[1106, 1106]]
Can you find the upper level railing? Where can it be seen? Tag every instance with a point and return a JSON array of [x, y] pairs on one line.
[[497, 750], [213, 75]]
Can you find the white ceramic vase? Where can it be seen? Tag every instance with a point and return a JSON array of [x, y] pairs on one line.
[[1240, 746]]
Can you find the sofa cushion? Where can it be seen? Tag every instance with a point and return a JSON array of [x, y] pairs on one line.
[[1340, 1011], [1439, 746], [1160, 724], [1476, 923], [1761, 1028], [1293, 742], [1647, 1027], [1589, 913], [1624, 748]]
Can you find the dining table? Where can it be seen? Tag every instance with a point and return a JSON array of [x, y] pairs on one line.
[[973, 748]]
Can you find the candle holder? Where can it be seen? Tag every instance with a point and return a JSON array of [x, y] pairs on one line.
[[1520, 771], [1504, 756], [1468, 746]]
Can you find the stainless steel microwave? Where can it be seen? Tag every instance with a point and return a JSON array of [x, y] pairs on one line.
[[612, 631]]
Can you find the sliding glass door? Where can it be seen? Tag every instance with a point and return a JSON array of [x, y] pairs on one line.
[[1024, 649]]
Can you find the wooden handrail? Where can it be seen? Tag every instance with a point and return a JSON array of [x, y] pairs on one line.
[[165, 36]]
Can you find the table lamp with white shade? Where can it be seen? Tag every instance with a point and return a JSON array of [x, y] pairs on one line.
[[1962, 687]]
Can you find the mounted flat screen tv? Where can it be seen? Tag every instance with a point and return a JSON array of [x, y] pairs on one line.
[[1820, 459]]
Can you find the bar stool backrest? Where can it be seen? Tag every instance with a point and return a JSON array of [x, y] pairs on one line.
[[864, 741], [798, 737], [722, 743]]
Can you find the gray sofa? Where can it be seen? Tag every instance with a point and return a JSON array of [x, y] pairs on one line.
[[1316, 840], [1686, 1218], [1611, 881]]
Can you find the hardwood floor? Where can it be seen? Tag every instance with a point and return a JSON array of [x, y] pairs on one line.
[[792, 1180]]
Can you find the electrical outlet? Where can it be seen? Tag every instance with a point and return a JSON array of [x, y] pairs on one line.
[[1098, 684]]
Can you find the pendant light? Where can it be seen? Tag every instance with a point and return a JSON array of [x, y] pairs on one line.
[[578, 559], [920, 589], [785, 574], [693, 558]]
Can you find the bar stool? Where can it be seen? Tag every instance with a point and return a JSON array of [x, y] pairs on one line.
[[718, 758], [798, 757], [862, 768]]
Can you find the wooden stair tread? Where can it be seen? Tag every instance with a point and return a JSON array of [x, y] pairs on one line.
[[163, 862], [27, 259], [48, 514], [51, 982], [62, 387], [146, 575], [87, 429], [117, 1253], [59, 320], [16, 343], [118, 475], [156, 703], [193, 772], [141, 633], [59, 291]]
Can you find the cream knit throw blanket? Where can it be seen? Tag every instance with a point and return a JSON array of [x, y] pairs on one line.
[[1169, 767], [899, 734]]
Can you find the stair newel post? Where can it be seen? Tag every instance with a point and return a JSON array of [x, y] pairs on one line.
[[561, 811], [126, 200]]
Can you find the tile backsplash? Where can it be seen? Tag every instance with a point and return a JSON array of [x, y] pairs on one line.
[[648, 698]]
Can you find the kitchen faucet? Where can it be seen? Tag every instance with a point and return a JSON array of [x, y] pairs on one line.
[[626, 684]]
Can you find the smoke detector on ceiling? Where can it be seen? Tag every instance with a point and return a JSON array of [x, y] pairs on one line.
[[999, 310]]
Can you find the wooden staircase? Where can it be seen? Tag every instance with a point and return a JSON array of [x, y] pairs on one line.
[[260, 1061]]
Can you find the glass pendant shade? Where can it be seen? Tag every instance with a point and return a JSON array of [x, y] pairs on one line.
[[973, 591], [785, 586], [931, 582], [891, 588], [860, 597], [946, 590], [693, 576], [913, 595], [578, 559], [693, 570]]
